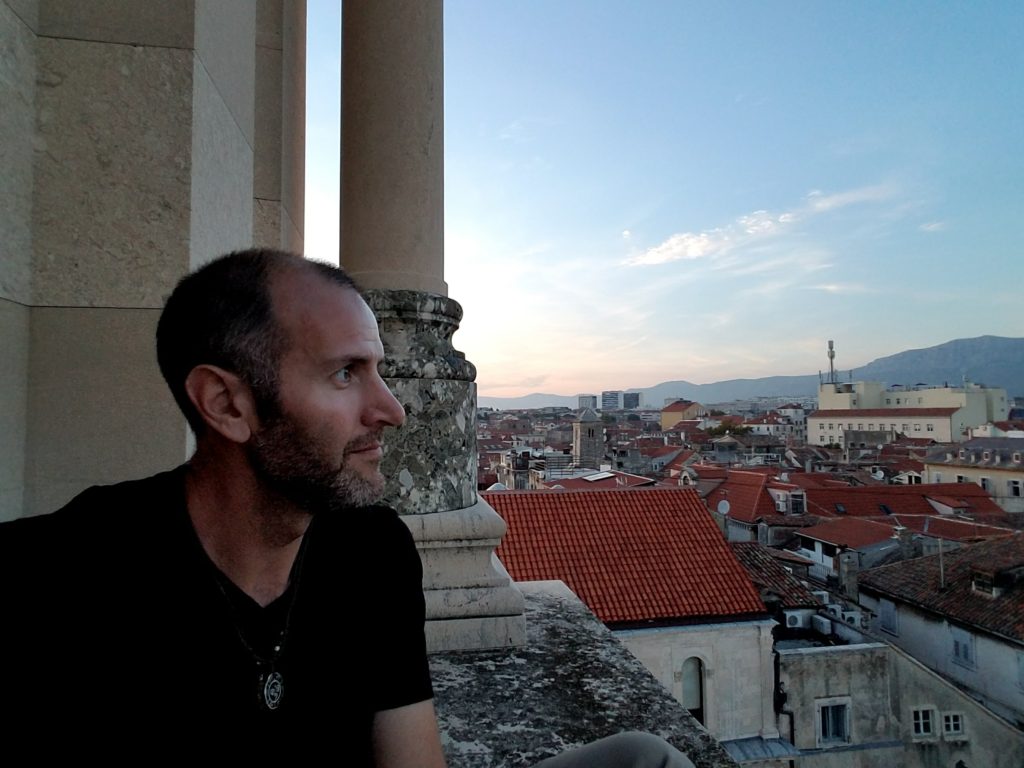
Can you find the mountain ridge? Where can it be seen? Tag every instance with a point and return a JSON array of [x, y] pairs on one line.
[[996, 361]]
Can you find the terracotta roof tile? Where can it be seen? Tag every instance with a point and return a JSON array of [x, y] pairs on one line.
[[849, 532], [869, 500], [768, 575], [633, 556], [747, 494]]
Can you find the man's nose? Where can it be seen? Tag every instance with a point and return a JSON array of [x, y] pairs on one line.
[[386, 409]]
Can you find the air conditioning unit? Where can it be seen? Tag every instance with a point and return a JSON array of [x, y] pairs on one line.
[[780, 506], [821, 625], [822, 596], [797, 620], [834, 609], [852, 617]]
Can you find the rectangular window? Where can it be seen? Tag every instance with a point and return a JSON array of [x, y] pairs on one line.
[[961, 479], [985, 483], [963, 647], [953, 726], [937, 478], [833, 721], [888, 401], [917, 427], [821, 426], [892, 427], [871, 427], [924, 723], [906, 428], [830, 427], [1013, 487], [860, 427]]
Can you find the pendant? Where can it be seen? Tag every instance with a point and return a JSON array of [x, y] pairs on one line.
[[273, 690]]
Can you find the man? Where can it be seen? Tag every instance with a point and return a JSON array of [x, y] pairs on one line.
[[257, 583], [257, 587]]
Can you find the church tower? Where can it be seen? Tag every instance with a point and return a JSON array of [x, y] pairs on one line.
[[587, 439]]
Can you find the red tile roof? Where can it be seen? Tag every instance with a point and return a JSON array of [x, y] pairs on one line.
[[949, 528], [918, 582], [849, 532], [678, 405], [769, 576], [866, 501], [679, 462], [747, 494], [633, 556]]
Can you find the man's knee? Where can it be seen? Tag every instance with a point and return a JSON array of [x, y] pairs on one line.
[[645, 750], [631, 749]]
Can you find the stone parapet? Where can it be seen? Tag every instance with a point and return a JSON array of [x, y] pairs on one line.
[[571, 683]]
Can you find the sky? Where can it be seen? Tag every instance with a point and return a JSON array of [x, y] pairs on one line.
[[646, 191]]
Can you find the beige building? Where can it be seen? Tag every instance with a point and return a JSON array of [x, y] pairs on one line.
[[681, 410], [976, 404]]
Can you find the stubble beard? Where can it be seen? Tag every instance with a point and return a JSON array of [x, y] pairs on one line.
[[293, 463]]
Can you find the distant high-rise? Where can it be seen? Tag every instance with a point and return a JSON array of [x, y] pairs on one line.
[[588, 401], [611, 400], [630, 400]]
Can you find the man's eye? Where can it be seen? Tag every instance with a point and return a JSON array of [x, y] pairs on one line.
[[343, 375]]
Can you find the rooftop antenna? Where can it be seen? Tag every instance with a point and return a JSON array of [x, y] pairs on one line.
[[831, 362]]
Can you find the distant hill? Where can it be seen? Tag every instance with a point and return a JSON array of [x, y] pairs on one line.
[[993, 360]]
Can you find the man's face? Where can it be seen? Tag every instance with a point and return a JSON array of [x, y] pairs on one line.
[[322, 449]]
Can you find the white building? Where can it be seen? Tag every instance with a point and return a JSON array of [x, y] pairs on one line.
[[961, 614]]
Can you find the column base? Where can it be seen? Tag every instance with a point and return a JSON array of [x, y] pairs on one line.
[[471, 600]]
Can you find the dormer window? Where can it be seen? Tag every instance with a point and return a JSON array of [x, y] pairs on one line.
[[962, 455], [986, 455], [982, 584]]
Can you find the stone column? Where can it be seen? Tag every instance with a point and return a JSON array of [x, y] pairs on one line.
[[392, 242]]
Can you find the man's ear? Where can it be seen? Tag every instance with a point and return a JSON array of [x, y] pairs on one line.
[[224, 402]]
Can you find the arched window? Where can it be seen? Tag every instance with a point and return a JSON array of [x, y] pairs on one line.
[[693, 687]]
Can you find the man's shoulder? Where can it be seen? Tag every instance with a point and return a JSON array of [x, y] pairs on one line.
[[95, 513]]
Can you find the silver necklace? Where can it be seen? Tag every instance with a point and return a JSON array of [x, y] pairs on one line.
[[270, 682]]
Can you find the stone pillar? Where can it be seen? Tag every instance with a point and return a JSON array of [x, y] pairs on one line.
[[130, 129], [280, 144], [392, 242]]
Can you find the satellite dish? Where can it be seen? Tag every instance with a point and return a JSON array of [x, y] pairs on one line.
[[878, 475], [723, 507]]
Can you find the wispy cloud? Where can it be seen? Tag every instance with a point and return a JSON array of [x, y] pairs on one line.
[[933, 226], [756, 226], [837, 288], [685, 245], [819, 202]]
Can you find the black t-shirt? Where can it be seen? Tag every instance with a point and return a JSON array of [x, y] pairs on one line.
[[112, 612]]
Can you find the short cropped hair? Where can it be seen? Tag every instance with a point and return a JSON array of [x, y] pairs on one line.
[[222, 315]]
